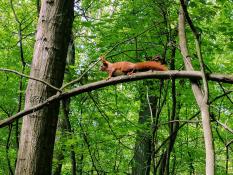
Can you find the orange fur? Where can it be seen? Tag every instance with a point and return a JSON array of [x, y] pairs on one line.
[[149, 65], [123, 68]]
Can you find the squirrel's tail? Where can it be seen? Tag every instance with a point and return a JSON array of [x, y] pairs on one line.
[[150, 65]]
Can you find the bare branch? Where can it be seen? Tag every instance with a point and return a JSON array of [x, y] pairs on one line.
[[26, 76], [225, 126], [79, 78], [121, 79]]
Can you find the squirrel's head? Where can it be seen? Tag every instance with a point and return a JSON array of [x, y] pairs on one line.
[[104, 66]]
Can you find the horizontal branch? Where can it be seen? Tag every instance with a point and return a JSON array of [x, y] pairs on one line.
[[121, 79]]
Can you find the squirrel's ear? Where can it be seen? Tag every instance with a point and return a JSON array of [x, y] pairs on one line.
[[105, 63], [102, 59]]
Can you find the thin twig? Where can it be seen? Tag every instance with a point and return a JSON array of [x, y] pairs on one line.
[[79, 78], [225, 126], [32, 78]]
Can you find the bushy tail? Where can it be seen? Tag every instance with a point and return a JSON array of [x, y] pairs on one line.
[[150, 65]]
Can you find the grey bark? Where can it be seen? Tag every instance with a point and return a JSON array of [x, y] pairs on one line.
[[201, 98], [39, 128]]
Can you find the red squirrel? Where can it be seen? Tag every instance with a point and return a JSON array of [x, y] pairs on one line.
[[123, 68]]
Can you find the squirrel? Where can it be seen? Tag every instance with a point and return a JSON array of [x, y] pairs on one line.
[[124, 67]]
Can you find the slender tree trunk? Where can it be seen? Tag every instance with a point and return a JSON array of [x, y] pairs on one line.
[[10, 169], [66, 109], [39, 128], [143, 150], [58, 167], [202, 99], [174, 126]]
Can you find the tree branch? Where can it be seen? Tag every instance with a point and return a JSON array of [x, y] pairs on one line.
[[196, 75], [225, 126], [26, 76]]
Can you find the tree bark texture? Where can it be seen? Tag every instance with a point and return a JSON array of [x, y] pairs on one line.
[[39, 128]]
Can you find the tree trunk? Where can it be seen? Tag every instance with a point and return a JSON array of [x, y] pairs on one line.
[[174, 126], [39, 128], [201, 99], [143, 150]]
